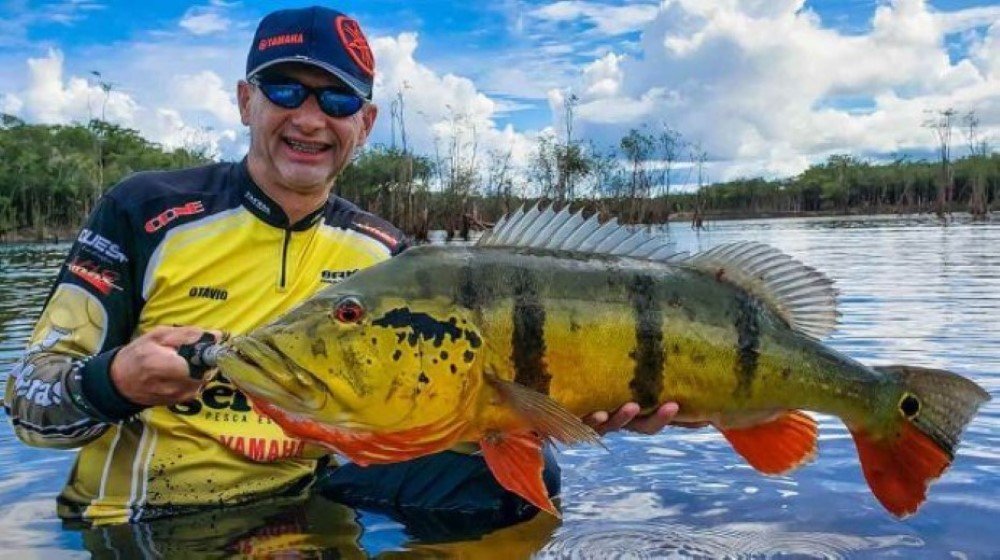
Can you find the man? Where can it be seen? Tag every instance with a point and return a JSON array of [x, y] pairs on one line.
[[224, 248]]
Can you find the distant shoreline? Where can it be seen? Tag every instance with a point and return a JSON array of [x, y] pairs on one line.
[[66, 234]]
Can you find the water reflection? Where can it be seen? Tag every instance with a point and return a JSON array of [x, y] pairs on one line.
[[912, 291]]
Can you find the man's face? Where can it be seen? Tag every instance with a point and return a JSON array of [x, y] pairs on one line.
[[302, 149]]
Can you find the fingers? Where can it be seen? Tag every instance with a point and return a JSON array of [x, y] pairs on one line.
[[176, 336], [656, 421], [602, 423], [627, 418], [148, 371]]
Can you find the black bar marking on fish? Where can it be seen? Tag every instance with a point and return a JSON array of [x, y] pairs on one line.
[[747, 344], [528, 339], [649, 357]]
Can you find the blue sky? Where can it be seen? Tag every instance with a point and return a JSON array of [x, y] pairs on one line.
[[765, 87]]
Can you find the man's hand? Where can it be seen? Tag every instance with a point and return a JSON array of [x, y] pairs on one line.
[[627, 418], [149, 372]]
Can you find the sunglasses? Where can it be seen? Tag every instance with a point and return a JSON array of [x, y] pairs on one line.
[[289, 94]]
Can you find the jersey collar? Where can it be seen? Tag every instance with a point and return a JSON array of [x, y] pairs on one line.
[[259, 204]]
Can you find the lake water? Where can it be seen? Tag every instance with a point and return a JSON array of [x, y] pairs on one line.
[[912, 291]]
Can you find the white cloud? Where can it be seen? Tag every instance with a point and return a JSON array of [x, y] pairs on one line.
[[206, 91], [203, 21], [49, 97], [756, 81], [10, 104], [606, 20], [439, 111]]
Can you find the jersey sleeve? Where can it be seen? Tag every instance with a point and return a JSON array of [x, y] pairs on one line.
[[60, 393]]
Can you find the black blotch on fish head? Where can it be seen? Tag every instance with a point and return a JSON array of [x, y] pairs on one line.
[[453, 368], [444, 354], [468, 356], [423, 378], [374, 341], [421, 326], [397, 355]]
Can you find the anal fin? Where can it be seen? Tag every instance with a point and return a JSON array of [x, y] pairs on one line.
[[516, 461], [778, 445]]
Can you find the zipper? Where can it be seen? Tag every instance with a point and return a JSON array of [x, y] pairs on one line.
[[284, 258]]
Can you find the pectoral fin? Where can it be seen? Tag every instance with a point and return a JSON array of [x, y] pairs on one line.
[[516, 461], [546, 417], [778, 445]]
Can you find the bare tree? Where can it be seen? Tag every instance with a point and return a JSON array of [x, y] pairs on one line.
[[979, 150], [941, 123]]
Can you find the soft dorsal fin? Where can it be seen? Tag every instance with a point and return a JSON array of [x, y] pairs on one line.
[[566, 231], [800, 294]]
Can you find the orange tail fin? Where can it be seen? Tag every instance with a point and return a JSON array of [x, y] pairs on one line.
[[517, 463], [776, 446]]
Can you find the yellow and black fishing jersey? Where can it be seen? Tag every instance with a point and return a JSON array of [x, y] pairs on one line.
[[203, 247]]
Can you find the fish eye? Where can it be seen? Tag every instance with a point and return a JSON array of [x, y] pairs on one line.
[[909, 405], [349, 310]]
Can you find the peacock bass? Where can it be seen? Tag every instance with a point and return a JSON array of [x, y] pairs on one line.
[[551, 316]]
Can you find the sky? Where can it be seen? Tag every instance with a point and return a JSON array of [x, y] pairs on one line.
[[760, 87]]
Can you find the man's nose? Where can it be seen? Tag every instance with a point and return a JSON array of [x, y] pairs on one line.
[[309, 116]]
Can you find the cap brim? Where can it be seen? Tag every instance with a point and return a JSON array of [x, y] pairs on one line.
[[359, 87]]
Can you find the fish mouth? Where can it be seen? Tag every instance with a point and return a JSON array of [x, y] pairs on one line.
[[267, 373]]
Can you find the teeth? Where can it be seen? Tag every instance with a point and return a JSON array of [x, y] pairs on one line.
[[309, 148]]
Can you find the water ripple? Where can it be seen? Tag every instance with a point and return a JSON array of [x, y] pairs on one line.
[[603, 540]]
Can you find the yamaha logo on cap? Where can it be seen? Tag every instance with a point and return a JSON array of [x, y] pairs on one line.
[[318, 36]]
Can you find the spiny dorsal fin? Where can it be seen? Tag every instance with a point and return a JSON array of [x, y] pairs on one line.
[[566, 231], [800, 294]]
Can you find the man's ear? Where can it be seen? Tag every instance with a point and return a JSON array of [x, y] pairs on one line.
[[243, 93], [368, 114]]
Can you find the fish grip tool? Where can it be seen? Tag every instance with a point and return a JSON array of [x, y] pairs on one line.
[[201, 356]]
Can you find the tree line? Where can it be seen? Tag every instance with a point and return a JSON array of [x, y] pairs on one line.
[[51, 176]]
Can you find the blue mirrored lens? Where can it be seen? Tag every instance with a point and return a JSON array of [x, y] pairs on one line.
[[338, 103], [288, 96]]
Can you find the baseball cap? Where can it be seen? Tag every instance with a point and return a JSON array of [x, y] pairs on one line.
[[317, 36]]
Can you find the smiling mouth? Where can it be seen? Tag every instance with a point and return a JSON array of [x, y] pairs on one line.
[[304, 147]]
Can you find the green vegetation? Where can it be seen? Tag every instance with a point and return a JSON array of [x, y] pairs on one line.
[[51, 176]]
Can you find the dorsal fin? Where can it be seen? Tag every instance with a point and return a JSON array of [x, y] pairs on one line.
[[800, 294], [566, 231]]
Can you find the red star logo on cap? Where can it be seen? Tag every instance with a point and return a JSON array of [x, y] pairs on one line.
[[355, 43]]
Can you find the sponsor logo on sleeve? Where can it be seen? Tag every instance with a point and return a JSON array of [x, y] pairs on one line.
[[37, 391], [155, 224], [382, 236], [101, 246], [101, 279]]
